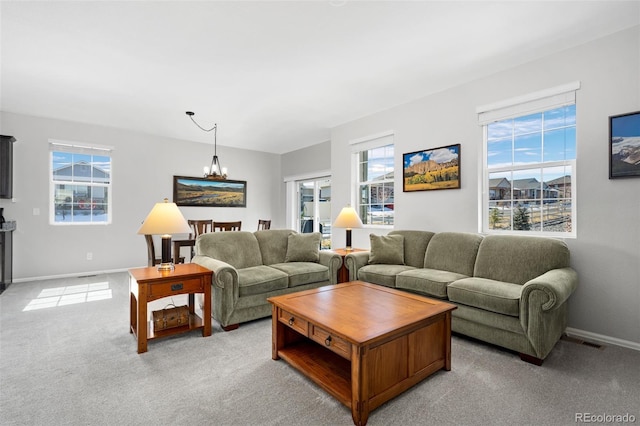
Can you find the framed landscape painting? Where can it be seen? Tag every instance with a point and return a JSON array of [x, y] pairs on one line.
[[202, 192], [624, 145], [437, 168]]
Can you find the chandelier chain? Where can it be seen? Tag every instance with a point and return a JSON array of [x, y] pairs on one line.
[[215, 126]]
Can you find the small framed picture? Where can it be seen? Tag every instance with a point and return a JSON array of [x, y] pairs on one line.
[[624, 145], [437, 168]]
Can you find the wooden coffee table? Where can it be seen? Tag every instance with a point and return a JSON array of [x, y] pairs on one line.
[[363, 343]]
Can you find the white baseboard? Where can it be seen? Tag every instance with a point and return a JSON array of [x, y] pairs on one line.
[[601, 338]]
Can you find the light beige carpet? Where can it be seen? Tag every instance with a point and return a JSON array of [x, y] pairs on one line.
[[76, 364]]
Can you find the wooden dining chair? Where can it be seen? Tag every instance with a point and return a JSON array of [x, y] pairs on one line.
[[264, 224], [200, 227], [152, 260], [227, 226]]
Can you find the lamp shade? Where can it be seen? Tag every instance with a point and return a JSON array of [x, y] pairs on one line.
[[348, 218], [164, 218]]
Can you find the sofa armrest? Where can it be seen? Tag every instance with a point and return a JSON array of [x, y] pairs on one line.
[[224, 275], [225, 289], [543, 311], [333, 261], [556, 285], [354, 261]]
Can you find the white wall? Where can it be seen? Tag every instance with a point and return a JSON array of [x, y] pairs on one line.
[[315, 158], [606, 252], [143, 170]]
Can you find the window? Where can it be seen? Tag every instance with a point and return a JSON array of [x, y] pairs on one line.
[[375, 180], [80, 184], [529, 166]]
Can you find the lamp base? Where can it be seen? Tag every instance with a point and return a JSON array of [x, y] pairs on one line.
[[349, 239], [166, 266], [167, 263]]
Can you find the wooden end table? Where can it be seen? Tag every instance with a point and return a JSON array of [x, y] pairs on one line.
[[362, 343], [343, 272], [149, 284]]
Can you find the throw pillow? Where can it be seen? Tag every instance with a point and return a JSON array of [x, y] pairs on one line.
[[303, 247], [386, 249]]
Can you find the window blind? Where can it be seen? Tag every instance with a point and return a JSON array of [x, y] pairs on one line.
[[543, 100], [373, 141], [77, 148]]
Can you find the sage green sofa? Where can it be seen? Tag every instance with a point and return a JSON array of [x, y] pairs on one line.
[[249, 267], [510, 291]]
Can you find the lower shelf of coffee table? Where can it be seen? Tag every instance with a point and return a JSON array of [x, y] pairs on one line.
[[325, 368], [195, 323]]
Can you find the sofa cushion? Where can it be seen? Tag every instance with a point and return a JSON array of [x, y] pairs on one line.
[[239, 249], [453, 252], [432, 282], [495, 296], [273, 244], [386, 249], [260, 279], [301, 273], [518, 259], [303, 247], [415, 245], [382, 274]]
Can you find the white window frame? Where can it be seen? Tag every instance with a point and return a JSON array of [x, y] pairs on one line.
[[532, 103], [79, 148], [363, 144]]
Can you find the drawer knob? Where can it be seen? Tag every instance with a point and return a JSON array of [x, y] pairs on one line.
[[291, 321], [327, 341]]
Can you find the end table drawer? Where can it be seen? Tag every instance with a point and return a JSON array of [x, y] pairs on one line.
[[293, 321], [330, 341], [177, 287]]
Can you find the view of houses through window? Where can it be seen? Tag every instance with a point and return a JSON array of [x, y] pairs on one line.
[[80, 185], [530, 169]]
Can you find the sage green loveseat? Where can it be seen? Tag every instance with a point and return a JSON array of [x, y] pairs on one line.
[[510, 291], [249, 267]]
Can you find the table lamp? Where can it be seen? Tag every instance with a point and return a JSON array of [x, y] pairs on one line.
[[348, 218], [165, 219]]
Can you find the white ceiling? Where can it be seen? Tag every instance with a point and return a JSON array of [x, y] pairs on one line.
[[275, 76]]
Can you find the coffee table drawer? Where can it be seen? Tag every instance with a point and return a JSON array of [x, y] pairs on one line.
[[176, 287], [293, 321], [330, 341]]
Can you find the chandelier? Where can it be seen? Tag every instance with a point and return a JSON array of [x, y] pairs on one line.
[[215, 171]]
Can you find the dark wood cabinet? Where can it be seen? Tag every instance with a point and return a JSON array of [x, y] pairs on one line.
[[6, 166], [6, 256]]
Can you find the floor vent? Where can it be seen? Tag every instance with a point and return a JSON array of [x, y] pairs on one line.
[[582, 342]]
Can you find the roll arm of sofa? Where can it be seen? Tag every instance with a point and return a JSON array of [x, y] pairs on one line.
[[556, 284], [543, 311], [355, 261], [225, 289], [332, 261], [224, 275]]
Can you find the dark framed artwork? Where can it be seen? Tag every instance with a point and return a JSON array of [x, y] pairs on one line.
[[202, 192], [430, 169], [624, 145]]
